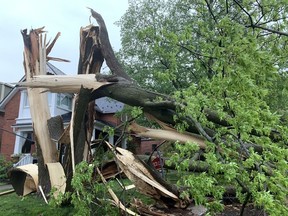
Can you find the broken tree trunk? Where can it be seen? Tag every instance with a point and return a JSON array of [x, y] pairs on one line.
[[35, 64], [119, 86]]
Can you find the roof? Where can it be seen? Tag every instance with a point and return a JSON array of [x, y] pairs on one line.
[[50, 69], [107, 105], [6, 84]]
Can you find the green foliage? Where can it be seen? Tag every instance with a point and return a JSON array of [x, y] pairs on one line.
[[229, 57], [109, 130], [88, 193], [32, 204], [4, 167], [89, 196]]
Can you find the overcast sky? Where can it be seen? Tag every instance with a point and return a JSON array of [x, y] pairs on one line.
[[65, 16]]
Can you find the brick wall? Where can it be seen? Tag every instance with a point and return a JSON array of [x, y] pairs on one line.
[[147, 146], [110, 118], [2, 121], [11, 113]]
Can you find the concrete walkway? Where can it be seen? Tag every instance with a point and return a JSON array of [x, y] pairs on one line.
[[6, 187]]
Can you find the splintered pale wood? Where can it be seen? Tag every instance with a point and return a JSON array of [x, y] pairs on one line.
[[90, 57], [24, 179], [144, 181], [57, 178], [63, 83], [35, 64], [167, 134]]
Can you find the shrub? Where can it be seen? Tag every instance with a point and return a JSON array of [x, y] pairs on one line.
[[4, 167]]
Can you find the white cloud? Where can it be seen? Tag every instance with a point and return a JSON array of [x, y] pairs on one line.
[[65, 16]]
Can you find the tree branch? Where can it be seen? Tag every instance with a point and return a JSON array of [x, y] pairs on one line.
[[253, 25], [106, 48]]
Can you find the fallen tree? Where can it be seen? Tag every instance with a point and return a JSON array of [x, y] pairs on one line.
[[222, 149]]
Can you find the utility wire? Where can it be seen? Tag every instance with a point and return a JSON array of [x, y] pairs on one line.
[[16, 134]]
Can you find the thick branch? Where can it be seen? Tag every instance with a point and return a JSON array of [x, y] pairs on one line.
[[106, 48]]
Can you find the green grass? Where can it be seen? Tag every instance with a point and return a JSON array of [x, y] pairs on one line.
[[12, 204], [33, 204]]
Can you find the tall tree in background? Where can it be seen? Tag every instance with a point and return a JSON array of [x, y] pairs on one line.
[[231, 57]]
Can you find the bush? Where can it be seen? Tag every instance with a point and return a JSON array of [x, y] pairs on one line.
[[4, 167]]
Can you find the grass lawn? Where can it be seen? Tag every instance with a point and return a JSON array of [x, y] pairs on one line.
[[33, 204], [12, 204]]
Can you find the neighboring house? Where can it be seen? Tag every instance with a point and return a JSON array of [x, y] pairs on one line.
[[9, 109], [5, 88]]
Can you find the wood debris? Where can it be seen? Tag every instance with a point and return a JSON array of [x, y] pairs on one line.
[[145, 181], [24, 179]]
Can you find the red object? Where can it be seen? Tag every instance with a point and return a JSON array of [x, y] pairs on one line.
[[157, 162]]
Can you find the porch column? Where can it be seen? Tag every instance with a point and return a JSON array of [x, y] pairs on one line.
[[18, 143]]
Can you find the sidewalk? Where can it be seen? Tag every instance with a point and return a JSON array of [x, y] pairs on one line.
[[6, 187]]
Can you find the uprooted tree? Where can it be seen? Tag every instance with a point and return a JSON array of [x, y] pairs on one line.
[[216, 66]]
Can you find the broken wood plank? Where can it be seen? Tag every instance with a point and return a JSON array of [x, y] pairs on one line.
[[7, 192], [43, 195]]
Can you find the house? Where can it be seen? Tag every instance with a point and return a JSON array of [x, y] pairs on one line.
[[15, 119], [10, 104], [16, 122], [5, 88], [4, 91]]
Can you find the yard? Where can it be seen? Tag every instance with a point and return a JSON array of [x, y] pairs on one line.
[[11, 204], [33, 204]]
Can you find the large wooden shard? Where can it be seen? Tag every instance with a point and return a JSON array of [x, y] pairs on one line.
[[63, 83], [57, 178], [35, 64], [146, 182], [24, 179], [167, 134]]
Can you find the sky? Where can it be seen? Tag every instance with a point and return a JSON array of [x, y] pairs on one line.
[[65, 16]]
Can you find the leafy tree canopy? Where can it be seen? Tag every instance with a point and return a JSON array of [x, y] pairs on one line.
[[231, 57]]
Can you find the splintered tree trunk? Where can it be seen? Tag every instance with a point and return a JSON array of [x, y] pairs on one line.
[[35, 64], [82, 122]]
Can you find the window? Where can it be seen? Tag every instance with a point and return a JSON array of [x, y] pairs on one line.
[[26, 99], [64, 101]]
